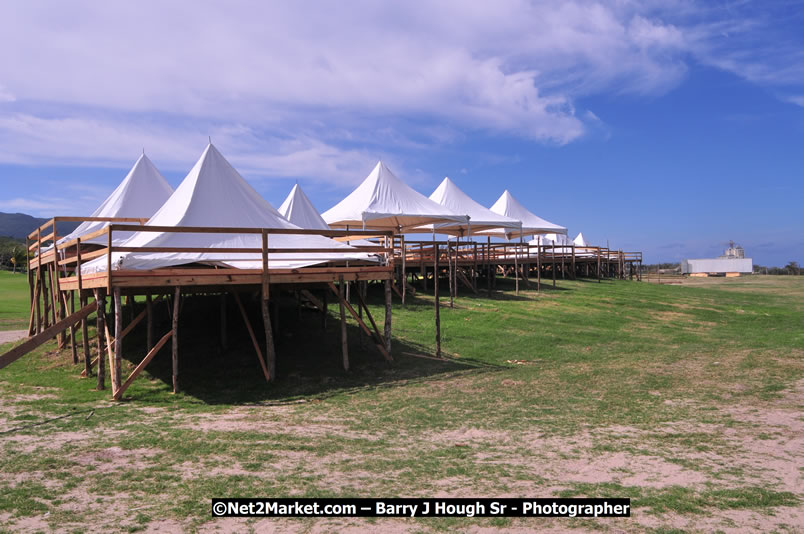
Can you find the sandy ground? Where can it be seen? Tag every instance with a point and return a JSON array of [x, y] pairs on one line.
[[9, 336]]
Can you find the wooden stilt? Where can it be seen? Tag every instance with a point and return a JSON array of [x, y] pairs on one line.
[[573, 262], [101, 300], [474, 267], [516, 268], [137, 370], [437, 306], [388, 316], [253, 337], [175, 338], [449, 272], [118, 342], [85, 337], [404, 276], [270, 350], [488, 264], [38, 298], [73, 348], [149, 322], [422, 268], [539, 264], [553, 262], [344, 340]]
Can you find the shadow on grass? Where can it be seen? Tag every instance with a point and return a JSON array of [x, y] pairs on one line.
[[309, 358]]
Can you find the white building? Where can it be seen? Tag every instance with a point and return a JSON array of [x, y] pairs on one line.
[[732, 263]]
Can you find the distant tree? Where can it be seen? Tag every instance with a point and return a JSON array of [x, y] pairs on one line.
[[793, 268]]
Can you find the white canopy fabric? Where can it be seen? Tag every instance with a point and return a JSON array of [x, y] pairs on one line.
[[532, 224], [384, 202], [298, 209], [140, 194], [214, 194], [481, 218], [580, 241], [552, 239]]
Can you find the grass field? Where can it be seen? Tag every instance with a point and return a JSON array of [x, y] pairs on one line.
[[686, 398]]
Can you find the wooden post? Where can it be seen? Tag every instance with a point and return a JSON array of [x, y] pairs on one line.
[[38, 299], [516, 268], [422, 268], [47, 295], [488, 264], [57, 288], [598, 264], [437, 306], [539, 263], [270, 350], [28, 272], [563, 248], [449, 271], [149, 323], [553, 266], [224, 340], [344, 340], [388, 316], [474, 266], [72, 329], [404, 276], [175, 338], [573, 262], [101, 300], [109, 259], [118, 342]]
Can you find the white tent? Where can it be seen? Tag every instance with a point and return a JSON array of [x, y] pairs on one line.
[[552, 239], [384, 202], [298, 209], [140, 194], [580, 241], [214, 194], [531, 224], [481, 218]]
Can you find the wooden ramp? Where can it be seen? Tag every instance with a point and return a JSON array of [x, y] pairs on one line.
[[46, 335]]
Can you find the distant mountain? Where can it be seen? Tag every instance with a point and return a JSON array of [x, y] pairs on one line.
[[19, 225]]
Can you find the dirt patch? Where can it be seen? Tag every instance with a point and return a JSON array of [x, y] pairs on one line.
[[9, 336], [116, 459]]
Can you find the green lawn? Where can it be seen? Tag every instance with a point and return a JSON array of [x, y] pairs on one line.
[[14, 299], [685, 398]]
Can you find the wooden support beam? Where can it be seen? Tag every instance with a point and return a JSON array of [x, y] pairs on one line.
[[312, 298], [117, 373], [388, 316], [465, 281], [149, 326], [100, 298], [73, 348], [49, 333], [175, 338], [553, 262], [404, 273], [270, 350], [380, 341], [137, 370], [344, 339], [253, 337], [437, 306]]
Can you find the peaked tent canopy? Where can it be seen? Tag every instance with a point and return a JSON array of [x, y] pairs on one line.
[[580, 241], [298, 209], [384, 202], [139, 195], [481, 218], [552, 239], [213, 194], [531, 224]]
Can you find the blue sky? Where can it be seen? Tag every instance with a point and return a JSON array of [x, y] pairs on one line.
[[668, 127]]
